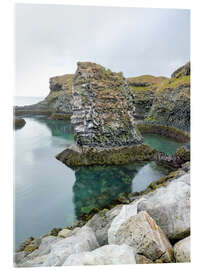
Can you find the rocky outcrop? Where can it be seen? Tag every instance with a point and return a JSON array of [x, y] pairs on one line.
[[105, 128], [141, 233], [171, 105], [144, 88], [75, 155], [18, 123], [102, 108], [58, 102], [109, 254], [169, 206], [182, 250]]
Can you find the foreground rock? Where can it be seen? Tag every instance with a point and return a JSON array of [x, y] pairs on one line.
[[83, 240], [109, 254], [169, 206], [101, 222], [142, 233], [18, 123], [57, 104], [171, 105], [182, 250]]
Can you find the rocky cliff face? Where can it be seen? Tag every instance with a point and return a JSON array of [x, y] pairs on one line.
[[60, 96], [144, 88], [58, 101], [171, 105], [103, 108]]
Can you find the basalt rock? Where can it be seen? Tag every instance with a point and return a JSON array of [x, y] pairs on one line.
[[103, 108], [18, 123], [75, 156], [144, 88], [171, 105], [58, 102]]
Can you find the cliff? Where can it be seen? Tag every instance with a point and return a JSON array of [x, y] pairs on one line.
[[57, 104], [144, 88], [103, 119], [171, 105]]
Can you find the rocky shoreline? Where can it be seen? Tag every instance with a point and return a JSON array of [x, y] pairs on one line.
[[109, 114], [160, 216]]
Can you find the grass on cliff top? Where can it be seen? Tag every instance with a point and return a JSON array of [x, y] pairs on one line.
[[146, 79], [175, 83], [65, 80]]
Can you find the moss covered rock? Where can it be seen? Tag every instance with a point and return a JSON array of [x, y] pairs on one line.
[[144, 88], [171, 105], [18, 123], [75, 155], [103, 108]]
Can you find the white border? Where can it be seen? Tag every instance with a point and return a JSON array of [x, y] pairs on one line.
[[7, 83]]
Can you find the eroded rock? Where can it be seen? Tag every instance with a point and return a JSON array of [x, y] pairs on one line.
[[142, 233], [108, 254], [182, 250]]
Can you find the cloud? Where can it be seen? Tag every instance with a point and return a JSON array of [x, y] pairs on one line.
[[50, 39]]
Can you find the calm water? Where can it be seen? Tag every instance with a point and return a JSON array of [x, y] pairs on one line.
[[49, 194]]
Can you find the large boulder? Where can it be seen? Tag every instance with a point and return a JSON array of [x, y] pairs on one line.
[[109, 254], [101, 222], [83, 240], [171, 105], [169, 206], [18, 123], [182, 250], [141, 233]]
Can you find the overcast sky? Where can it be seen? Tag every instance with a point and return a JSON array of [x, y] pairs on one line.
[[50, 39]]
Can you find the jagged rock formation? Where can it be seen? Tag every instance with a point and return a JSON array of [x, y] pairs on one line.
[[58, 102], [171, 105], [103, 108], [144, 88], [105, 129]]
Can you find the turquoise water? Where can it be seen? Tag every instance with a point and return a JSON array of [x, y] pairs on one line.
[[49, 194], [161, 143]]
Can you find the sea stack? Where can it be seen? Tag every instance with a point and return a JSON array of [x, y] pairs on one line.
[[105, 129]]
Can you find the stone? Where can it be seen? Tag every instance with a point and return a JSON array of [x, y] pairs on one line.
[[145, 237], [182, 250], [57, 104], [64, 233], [169, 206], [18, 123], [101, 222], [182, 71], [102, 108], [106, 255], [171, 105], [75, 155], [35, 262], [126, 212], [83, 240], [144, 88]]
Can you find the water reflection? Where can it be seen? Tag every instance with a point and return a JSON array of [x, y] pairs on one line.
[[97, 186]]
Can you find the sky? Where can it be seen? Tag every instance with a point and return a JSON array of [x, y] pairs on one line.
[[51, 39]]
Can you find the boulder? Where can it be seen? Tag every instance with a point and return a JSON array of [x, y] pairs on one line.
[[83, 240], [108, 254], [18, 123], [64, 233], [101, 222], [145, 237], [182, 250], [35, 262], [169, 206]]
